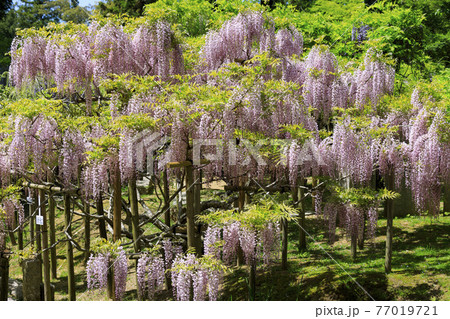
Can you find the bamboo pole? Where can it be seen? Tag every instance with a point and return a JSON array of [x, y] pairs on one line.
[[69, 250], [45, 253], [51, 218]]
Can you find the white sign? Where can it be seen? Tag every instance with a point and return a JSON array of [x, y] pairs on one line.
[[39, 220]]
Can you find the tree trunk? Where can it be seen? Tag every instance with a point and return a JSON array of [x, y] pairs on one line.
[[117, 205], [101, 221], [51, 218], [45, 253], [4, 277], [389, 225], [132, 191], [69, 250]]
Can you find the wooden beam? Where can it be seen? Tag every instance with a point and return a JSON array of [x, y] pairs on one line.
[[51, 188], [185, 163]]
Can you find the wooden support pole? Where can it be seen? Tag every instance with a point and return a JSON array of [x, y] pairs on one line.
[[87, 230], [252, 281], [4, 277], [302, 217], [190, 222], [132, 191], [117, 205], [51, 219], [166, 195], [101, 221], [353, 245], [69, 250], [447, 196], [45, 252], [20, 232], [197, 206], [389, 225]]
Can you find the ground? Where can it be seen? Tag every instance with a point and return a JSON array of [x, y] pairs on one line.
[[420, 267]]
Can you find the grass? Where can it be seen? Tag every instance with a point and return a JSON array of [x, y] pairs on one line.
[[420, 266]]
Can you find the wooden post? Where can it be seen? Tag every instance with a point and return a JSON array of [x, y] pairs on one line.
[[284, 243], [447, 197], [166, 198], [252, 281], [197, 207], [302, 217], [132, 193], [87, 230], [190, 223], [20, 232], [117, 205], [362, 234], [69, 250], [12, 237], [45, 252], [389, 225], [353, 245], [101, 221], [51, 218], [4, 276]]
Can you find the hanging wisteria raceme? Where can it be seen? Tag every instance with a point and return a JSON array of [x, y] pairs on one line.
[[270, 240], [182, 277], [374, 79], [321, 69], [150, 275], [170, 252], [249, 242], [425, 159], [127, 155], [234, 41], [42, 139], [190, 272], [28, 59], [75, 61], [72, 156], [212, 237], [230, 242], [17, 152], [97, 271], [10, 205], [120, 267]]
